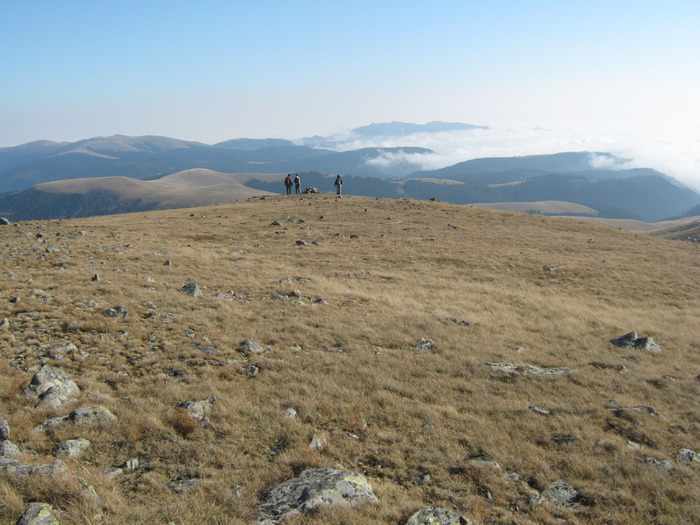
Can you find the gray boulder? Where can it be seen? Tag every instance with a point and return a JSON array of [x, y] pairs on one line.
[[52, 386], [38, 514], [631, 340], [249, 347], [662, 465], [312, 488], [688, 457], [192, 289], [8, 449], [199, 410], [437, 516], [91, 416], [71, 448], [562, 495]]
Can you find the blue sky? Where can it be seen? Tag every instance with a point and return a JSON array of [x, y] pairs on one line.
[[209, 71]]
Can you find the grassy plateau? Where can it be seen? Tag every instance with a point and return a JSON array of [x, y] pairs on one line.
[[339, 292]]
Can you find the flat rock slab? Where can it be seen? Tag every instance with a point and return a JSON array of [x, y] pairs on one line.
[[437, 516], [311, 488]]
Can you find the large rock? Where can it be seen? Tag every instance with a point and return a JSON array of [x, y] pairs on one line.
[[631, 340], [38, 514], [9, 449], [437, 516], [312, 488], [21, 470], [52, 386]]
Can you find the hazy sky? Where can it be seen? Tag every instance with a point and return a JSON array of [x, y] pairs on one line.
[[620, 72]]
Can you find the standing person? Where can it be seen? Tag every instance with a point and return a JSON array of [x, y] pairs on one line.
[[338, 186], [297, 184], [288, 184]]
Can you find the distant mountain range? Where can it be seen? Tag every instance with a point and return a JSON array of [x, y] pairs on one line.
[[104, 175]]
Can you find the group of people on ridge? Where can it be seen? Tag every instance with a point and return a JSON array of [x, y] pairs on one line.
[[297, 184]]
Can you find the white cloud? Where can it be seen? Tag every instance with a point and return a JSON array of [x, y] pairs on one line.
[[675, 153]]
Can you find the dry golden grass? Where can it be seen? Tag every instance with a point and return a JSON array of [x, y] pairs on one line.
[[389, 272]]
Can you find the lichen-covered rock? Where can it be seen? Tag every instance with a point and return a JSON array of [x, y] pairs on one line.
[[21, 470], [199, 410], [688, 457], [251, 348], [9, 449], [561, 495], [311, 488], [192, 289], [630, 340], [38, 514], [4, 430], [52, 385], [71, 448], [437, 516], [91, 416], [662, 465]]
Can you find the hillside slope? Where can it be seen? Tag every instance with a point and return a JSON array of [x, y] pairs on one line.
[[456, 357]]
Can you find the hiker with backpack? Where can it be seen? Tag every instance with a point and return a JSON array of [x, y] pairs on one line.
[[338, 186], [288, 184], [297, 184]]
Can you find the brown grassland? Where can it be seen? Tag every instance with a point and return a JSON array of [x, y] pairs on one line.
[[389, 272]]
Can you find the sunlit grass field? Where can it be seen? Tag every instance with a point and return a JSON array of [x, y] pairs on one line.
[[339, 292]]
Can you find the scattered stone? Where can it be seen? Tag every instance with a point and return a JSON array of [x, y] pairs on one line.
[[460, 323], [540, 411], [38, 514], [437, 516], [4, 430], [528, 370], [199, 410], [5, 324], [168, 263], [688, 457], [251, 348], [290, 413], [640, 408], [552, 268], [116, 311], [91, 416], [252, 370], [302, 242], [312, 488], [95, 278], [183, 485], [425, 344], [21, 470], [113, 472], [275, 223], [319, 442], [562, 495], [191, 289], [71, 448], [130, 464], [620, 369], [52, 386], [8, 449], [662, 465], [631, 340], [4, 221]]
